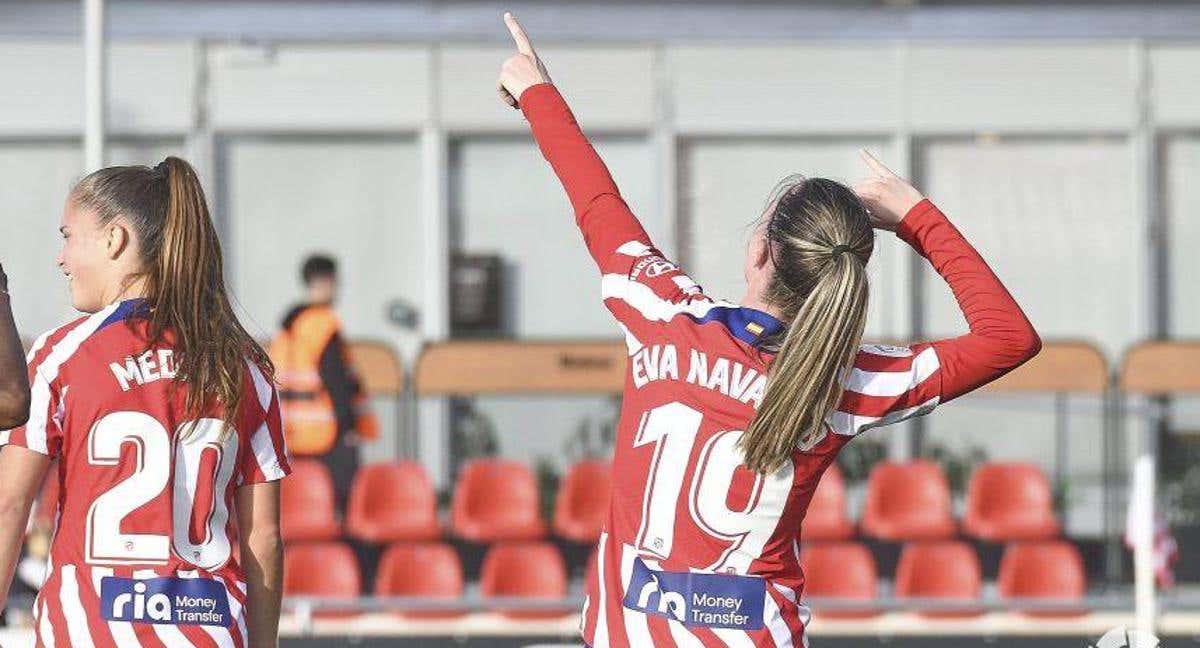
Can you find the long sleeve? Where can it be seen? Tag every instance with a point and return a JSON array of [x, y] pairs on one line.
[[1001, 337], [889, 384]]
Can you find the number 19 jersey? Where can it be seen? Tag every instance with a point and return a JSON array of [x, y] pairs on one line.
[[145, 532], [698, 550]]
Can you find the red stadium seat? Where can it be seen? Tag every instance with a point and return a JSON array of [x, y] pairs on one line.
[[946, 569], [840, 570], [392, 502], [524, 570], [306, 503], [426, 570], [908, 501], [1010, 501], [1051, 569], [496, 500], [826, 517], [321, 569], [582, 502]]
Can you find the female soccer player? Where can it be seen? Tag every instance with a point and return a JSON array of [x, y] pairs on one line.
[[161, 411], [732, 412]]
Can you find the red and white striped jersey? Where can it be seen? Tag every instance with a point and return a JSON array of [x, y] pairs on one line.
[[143, 548], [697, 550]]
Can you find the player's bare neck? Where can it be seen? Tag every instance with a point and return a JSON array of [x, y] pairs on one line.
[[753, 300]]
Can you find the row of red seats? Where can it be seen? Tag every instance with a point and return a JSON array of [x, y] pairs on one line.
[[494, 500], [429, 570], [911, 501], [947, 569]]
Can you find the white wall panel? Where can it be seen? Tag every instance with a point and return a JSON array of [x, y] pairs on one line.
[[1023, 86], [507, 201], [607, 87], [810, 88], [354, 198], [151, 87], [1182, 202], [725, 185], [38, 176], [1175, 84], [319, 87]]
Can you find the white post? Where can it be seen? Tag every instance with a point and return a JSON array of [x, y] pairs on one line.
[[94, 85], [1141, 525]]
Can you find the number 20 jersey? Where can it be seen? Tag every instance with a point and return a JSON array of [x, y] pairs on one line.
[[143, 548]]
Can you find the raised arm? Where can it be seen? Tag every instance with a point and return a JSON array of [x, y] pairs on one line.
[[14, 381], [1001, 337], [602, 215]]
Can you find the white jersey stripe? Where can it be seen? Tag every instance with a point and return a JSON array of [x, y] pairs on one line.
[[633, 248], [122, 631], [601, 635], [38, 344], [636, 627], [734, 638], [682, 636], [262, 386], [39, 405], [781, 634], [168, 634], [72, 604], [893, 383], [220, 636], [264, 453], [45, 627], [848, 424], [654, 308]]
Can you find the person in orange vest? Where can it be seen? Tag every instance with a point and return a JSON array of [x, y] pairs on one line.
[[324, 412]]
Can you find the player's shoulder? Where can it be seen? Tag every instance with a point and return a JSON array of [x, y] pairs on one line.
[[261, 383], [61, 342]]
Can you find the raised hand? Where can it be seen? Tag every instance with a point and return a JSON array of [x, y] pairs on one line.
[[888, 196], [521, 70]]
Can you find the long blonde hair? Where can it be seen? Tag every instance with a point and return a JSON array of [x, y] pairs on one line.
[[819, 239], [185, 280]]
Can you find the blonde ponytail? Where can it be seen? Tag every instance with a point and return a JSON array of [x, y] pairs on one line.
[[821, 242]]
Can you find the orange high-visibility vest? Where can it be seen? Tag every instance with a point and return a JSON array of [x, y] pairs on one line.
[[309, 419]]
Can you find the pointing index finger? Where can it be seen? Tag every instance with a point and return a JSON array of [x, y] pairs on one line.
[[518, 33], [875, 165]]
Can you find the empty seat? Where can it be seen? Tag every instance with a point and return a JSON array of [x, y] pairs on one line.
[[321, 569], [840, 570], [306, 503], [1010, 501], [496, 500], [1048, 569], [392, 502], [582, 501], [426, 570], [524, 570], [908, 501], [946, 569], [826, 518]]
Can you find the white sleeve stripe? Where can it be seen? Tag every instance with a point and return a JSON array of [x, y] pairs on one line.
[[848, 424], [37, 345], [633, 248], [4, 434], [893, 383], [886, 350], [261, 385], [39, 402], [264, 453], [645, 301]]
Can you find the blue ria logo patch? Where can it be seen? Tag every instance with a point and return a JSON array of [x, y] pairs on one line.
[[175, 601], [698, 599]]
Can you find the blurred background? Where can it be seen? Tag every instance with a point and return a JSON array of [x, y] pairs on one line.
[[1063, 139]]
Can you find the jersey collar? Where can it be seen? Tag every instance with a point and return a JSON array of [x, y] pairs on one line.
[[130, 308]]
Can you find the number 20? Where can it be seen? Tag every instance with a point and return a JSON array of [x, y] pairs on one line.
[[106, 544], [673, 428]]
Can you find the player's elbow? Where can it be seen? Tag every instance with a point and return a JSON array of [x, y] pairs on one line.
[[1023, 345], [14, 405]]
